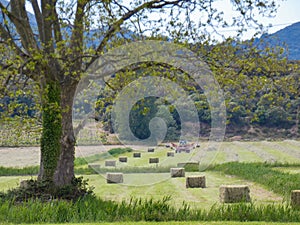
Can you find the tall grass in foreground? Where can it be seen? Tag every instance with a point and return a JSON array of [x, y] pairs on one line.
[[91, 209], [263, 173]]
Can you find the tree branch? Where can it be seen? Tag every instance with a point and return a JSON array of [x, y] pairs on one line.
[[22, 24], [56, 26], [9, 40], [77, 32], [46, 6], [39, 19], [155, 4], [76, 44]]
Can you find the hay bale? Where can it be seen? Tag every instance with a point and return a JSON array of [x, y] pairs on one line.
[[295, 198], [110, 163], [177, 172], [114, 178], [153, 160], [170, 154], [150, 149], [195, 182], [234, 193], [94, 166], [123, 159], [136, 155]]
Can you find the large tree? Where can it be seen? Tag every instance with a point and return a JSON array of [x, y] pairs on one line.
[[55, 47]]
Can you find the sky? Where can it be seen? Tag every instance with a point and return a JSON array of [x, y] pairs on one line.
[[287, 14]]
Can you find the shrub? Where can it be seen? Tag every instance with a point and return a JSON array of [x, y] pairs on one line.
[[46, 191], [119, 151]]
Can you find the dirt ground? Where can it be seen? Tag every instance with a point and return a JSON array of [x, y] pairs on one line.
[[30, 156]]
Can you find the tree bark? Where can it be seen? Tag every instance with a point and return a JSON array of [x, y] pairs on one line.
[[58, 141], [52, 130], [65, 166]]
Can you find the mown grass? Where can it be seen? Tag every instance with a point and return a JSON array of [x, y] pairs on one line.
[[264, 174], [14, 171], [114, 152], [91, 209], [158, 185], [82, 169], [94, 209]]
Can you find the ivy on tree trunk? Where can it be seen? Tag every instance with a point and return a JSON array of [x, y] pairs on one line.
[[52, 131]]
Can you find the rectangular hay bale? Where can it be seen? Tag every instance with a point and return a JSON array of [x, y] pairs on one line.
[[150, 149], [234, 193], [136, 155], [170, 154], [177, 172], [153, 160], [123, 159], [110, 163], [114, 178], [295, 198], [195, 182]]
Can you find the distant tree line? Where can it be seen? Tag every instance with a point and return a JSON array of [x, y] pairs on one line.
[[261, 89]]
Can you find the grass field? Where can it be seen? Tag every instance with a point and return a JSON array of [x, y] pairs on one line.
[[147, 184], [280, 151], [141, 180], [166, 186]]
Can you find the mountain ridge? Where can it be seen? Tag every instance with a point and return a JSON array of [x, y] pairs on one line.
[[286, 38]]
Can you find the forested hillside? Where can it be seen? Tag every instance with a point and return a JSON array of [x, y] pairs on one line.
[[261, 89], [288, 38]]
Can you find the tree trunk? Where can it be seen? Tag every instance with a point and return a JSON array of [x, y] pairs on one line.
[[52, 130], [65, 166], [58, 141]]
